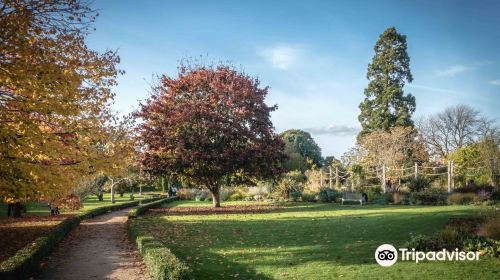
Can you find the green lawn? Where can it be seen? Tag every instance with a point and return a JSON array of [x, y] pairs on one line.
[[309, 241], [91, 202]]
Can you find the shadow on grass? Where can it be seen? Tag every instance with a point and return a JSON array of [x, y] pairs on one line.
[[235, 244]]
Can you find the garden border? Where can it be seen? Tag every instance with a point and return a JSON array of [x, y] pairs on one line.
[[27, 260], [160, 261]]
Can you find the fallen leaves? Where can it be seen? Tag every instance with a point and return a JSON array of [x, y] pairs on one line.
[[229, 209]]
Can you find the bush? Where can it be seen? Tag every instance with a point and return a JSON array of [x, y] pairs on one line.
[[291, 182], [495, 196], [257, 193], [160, 261], [395, 197], [240, 193], [462, 198], [419, 184], [327, 195], [187, 194], [428, 197], [473, 188], [490, 228], [224, 194], [202, 195], [309, 197], [487, 246], [295, 195]]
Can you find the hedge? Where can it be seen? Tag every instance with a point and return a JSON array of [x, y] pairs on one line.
[[161, 262], [139, 210], [27, 260]]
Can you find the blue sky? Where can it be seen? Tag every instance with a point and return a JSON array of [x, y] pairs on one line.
[[312, 54]]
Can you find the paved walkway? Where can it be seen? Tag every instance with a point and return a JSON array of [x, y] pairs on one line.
[[97, 249]]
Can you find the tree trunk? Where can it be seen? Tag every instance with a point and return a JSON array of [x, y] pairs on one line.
[[215, 197], [16, 210], [112, 191]]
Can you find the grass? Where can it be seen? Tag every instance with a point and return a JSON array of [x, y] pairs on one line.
[[308, 241]]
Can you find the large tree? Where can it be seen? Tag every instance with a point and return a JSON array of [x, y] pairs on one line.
[[209, 124], [301, 149], [55, 121], [455, 127], [385, 104]]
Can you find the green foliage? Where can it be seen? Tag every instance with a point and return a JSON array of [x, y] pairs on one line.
[[385, 105], [428, 197], [466, 162], [495, 196], [309, 197], [160, 261], [295, 195], [489, 247], [418, 184], [238, 193], [300, 148], [290, 182], [327, 195]]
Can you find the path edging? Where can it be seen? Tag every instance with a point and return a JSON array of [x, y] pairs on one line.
[[27, 260], [160, 261]]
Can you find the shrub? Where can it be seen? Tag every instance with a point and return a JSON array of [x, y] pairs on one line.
[[202, 195], [490, 228], [495, 196], [161, 262], [224, 194], [473, 188], [418, 184], [487, 246], [395, 197], [295, 195], [428, 197], [291, 182], [187, 194], [309, 197], [327, 195], [239, 193], [462, 198], [257, 193]]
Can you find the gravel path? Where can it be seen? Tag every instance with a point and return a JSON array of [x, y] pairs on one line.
[[97, 249]]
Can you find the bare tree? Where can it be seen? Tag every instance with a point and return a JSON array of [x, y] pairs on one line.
[[454, 128]]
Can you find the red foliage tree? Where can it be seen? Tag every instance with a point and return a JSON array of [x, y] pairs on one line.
[[209, 124]]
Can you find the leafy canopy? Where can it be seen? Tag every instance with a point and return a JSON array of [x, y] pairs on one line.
[[55, 121], [301, 149], [207, 124], [385, 104]]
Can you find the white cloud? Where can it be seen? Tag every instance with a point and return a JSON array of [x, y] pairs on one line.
[[337, 130], [494, 82], [452, 70], [431, 88], [281, 57]]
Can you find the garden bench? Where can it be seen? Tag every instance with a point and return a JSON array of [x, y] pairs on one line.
[[348, 196]]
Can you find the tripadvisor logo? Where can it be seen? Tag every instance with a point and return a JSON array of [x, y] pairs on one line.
[[387, 255]]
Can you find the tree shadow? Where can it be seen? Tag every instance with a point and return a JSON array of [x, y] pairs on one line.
[[228, 241]]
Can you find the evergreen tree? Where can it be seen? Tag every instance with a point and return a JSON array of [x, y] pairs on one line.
[[386, 105]]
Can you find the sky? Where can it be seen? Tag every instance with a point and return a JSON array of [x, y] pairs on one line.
[[313, 55]]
